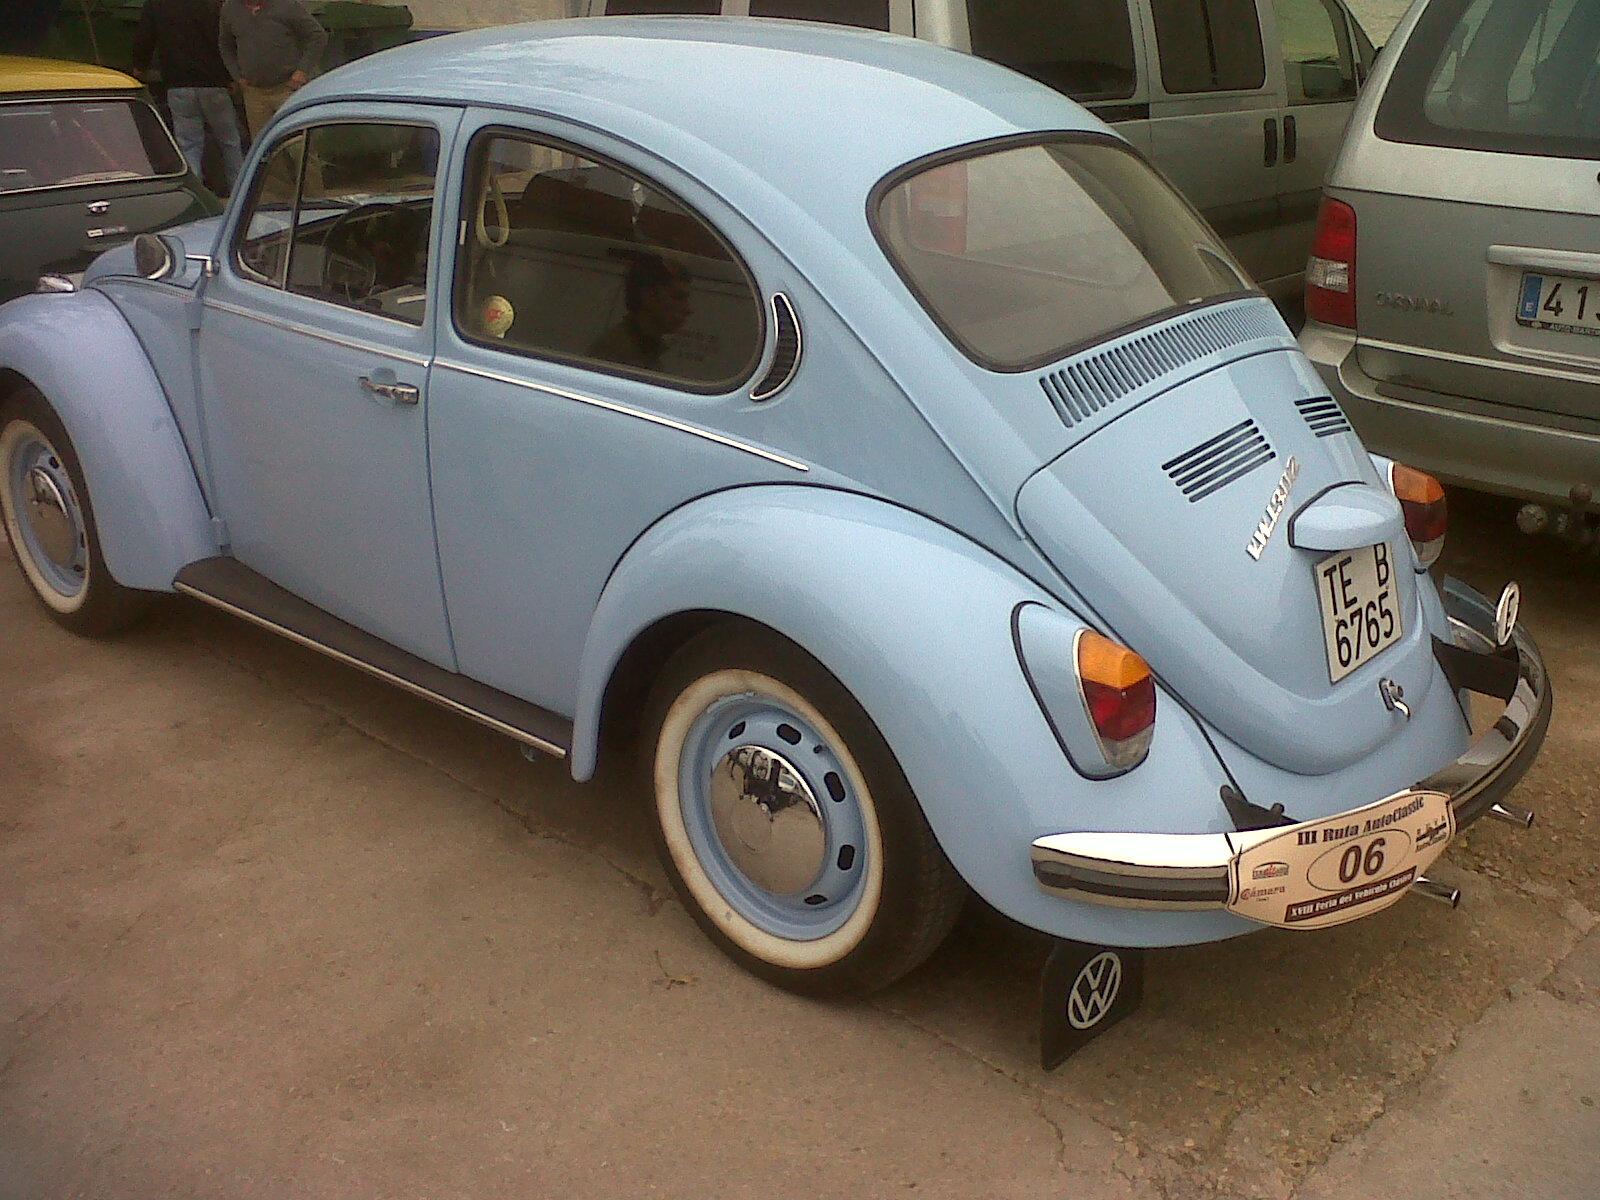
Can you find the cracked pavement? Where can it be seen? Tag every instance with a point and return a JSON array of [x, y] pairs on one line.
[[273, 929]]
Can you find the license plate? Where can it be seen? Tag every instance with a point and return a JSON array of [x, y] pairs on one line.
[[1323, 873], [1360, 607], [1560, 302]]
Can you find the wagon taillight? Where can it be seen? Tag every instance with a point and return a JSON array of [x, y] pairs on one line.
[[1119, 695], [1331, 269], [1427, 515]]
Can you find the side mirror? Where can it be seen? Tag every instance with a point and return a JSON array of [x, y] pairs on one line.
[[156, 257]]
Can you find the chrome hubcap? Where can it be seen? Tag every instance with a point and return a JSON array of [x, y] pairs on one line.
[[49, 519], [769, 822]]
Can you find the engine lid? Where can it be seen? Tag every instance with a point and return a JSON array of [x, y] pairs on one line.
[[1204, 525]]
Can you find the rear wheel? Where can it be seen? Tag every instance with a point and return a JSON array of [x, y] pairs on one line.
[[50, 523], [785, 823]]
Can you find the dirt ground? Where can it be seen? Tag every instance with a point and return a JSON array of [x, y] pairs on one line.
[[272, 929]]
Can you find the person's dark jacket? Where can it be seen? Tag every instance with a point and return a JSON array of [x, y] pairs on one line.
[[183, 35]]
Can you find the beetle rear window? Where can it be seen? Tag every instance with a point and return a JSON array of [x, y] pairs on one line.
[[1499, 75], [65, 143], [1024, 252]]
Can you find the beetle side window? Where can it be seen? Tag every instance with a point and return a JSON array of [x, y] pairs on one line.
[[343, 213], [1317, 63], [1083, 49], [574, 259], [1209, 45]]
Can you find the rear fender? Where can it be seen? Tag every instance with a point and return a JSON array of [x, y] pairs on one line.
[[916, 622], [80, 353]]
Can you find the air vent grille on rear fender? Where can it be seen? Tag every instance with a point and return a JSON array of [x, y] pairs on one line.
[[786, 352], [1323, 415], [1217, 462], [1082, 388]]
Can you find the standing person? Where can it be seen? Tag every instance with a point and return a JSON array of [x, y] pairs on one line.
[[271, 47], [183, 35]]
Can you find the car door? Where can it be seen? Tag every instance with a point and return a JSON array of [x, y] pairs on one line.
[[1214, 104], [1320, 76], [314, 351], [598, 335]]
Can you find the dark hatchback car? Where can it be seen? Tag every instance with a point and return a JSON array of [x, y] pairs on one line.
[[85, 164]]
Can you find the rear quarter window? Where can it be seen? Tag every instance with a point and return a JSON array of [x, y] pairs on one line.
[[1500, 75]]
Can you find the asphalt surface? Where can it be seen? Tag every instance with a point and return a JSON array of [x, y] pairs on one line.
[[270, 929]]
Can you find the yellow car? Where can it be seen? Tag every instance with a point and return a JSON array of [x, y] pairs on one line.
[[85, 164]]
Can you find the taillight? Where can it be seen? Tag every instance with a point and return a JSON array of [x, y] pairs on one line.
[[1427, 515], [1331, 270], [1119, 695]]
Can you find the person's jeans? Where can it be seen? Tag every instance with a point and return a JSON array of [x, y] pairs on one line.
[[194, 111]]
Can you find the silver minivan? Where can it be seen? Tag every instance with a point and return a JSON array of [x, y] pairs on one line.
[[1454, 296], [1241, 102]]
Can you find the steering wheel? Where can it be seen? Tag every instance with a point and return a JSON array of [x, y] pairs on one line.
[[350, 251]]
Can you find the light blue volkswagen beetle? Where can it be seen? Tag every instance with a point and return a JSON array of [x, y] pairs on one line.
[[863, 429]]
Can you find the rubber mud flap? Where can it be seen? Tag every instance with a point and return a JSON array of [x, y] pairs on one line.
[[1084, 991]]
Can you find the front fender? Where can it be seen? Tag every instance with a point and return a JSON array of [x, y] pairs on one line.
[[80, 353], [915, 621]]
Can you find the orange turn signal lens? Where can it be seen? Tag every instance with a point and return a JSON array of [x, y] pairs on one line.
[[1120, 695], [1427, 513]]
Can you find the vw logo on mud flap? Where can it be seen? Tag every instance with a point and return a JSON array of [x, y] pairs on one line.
[[1095, 990], [1084, 991]]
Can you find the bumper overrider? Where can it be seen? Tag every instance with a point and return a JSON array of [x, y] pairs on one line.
[[1179, 871]]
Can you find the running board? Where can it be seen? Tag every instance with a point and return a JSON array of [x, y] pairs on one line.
[[233, 587]]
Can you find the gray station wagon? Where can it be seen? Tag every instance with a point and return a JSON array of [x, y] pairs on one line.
[[1454, 292]]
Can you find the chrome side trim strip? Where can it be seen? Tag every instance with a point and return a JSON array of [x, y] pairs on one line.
[[1520, 366], [306, 331], [415, 689], [608, 406]]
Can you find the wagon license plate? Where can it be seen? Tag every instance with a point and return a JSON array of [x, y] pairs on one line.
[[1322, 873], [1360, 607], [1560, 302]]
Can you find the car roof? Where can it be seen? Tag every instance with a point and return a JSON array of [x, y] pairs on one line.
[[19, 73], [796, 103]]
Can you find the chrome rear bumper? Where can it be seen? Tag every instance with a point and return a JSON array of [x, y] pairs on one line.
[[1179, 871]]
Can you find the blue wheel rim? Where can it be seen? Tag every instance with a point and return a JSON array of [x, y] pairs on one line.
[[32, 453], [829, 901]]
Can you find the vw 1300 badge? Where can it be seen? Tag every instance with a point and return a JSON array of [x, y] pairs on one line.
[[1276, 503]]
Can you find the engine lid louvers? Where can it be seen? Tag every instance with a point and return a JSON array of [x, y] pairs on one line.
[[1323, 415], [1098, 379], [1218, 461]]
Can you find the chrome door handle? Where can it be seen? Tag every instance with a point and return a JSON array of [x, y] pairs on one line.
[[395, 393]]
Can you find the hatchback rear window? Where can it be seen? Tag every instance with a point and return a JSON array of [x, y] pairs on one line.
[[1501, 75], [63, 143], [1022, 252]]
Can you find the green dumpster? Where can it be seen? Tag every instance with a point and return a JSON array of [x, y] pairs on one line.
[[95, 31], [101, 31], [356, 29]]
